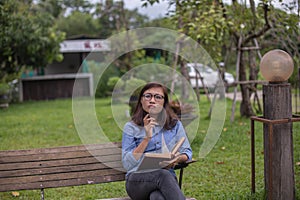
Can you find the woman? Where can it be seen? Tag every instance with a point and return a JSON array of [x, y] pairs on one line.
[[154, 128]]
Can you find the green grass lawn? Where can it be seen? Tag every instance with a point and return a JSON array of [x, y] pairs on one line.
[[223, 174]]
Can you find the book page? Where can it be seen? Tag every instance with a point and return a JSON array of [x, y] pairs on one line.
[[159, 155], [177, 146], [160, 160]]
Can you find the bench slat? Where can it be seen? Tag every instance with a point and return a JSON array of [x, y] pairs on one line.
[[59, 149], [59, 155], [59, 176], [67, 162], [51, 170], [63, 183]]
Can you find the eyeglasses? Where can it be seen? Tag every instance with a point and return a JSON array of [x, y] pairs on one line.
[[157, 97]]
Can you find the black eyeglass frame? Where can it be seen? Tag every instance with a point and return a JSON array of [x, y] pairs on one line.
[[157, 97]]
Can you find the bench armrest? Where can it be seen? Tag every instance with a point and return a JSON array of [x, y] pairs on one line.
[[184, 164], [181, 166]]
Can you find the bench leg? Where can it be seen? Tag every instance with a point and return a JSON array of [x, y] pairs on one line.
[[42, 194], [180, 177]]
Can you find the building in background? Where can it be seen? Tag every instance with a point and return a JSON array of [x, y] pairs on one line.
[[57, 79]]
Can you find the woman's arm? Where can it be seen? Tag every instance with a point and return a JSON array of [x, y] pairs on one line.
[[185, 151], [181, 158], [140, 149], [133, 144], [149, 123], [128, 146]]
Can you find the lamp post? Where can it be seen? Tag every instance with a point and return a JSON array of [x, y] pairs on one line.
[[276, 67]]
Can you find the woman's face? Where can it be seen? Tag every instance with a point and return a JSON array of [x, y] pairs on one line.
[[153, 100]]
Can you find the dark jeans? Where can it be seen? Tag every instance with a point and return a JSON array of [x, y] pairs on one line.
[[154, 185]]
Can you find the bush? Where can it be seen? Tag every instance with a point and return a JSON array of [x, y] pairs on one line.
[[133, 85], [112, 81], [5, 96], [102, 87], [4, 88]]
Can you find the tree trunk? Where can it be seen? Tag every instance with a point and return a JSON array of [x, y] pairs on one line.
[[246, 107], [184, 86], [253, 72], [253, 76], [185, 89], [253, 67]]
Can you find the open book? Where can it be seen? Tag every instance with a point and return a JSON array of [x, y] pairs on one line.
[[160, 160]]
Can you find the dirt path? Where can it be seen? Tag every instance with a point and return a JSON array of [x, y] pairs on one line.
[[239, 95]]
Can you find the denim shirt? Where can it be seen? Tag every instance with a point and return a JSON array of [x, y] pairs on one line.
[[133, 135]]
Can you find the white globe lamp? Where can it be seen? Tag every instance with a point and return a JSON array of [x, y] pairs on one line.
[[276, 66]]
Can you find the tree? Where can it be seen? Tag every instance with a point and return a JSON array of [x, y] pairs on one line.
[[252, 26], [285, 34], [27, 38], [78, 23], [64, 7], [242, 23], [114, 17], [53, 7], [78, 5], [202, 21]]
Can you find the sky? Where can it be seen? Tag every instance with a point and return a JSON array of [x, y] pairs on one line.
[[160, 10], [154, 11]]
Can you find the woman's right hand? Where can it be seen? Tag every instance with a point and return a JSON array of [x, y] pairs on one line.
[[149, 123]]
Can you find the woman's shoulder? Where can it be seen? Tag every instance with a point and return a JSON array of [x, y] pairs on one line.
[[178, 124], [131, 125], [130, 128]]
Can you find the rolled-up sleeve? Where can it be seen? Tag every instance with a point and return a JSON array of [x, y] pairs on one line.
[[186, 147], [128, 145]]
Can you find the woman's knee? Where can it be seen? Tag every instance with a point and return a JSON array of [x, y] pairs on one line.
[[166, 176], [156, 195]]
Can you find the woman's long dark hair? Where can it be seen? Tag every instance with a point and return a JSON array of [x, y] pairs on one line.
[[167, 116]]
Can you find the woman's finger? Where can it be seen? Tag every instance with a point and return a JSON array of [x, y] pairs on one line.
[[146, 121]]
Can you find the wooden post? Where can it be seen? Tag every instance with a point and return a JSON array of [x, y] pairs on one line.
[[278, 143]]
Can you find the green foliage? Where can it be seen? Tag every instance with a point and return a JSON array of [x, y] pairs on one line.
[[53, 7], [78, 23], [285, 36], [78, 5], [102, 74], [114, 17], [133, 83], [4, 88], [204, 21], [112, 81], [216, 25], [63, 7], [27, 38], [294, 79], [162, 22]]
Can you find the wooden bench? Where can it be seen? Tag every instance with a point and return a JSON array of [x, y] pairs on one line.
[[63, 166]]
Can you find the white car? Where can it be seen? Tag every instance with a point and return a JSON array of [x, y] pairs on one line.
[[210, 76]]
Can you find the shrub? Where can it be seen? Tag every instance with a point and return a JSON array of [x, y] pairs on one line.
[[102, 88]]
